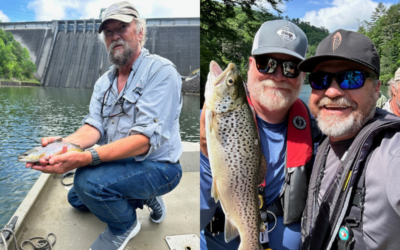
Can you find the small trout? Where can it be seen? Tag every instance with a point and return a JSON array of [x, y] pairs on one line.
[[54, 148], [236, 159]]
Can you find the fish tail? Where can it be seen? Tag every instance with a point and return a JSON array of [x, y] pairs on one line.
[[214, 190], [231, 231]]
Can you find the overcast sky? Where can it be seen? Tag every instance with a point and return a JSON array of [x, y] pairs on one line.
[[46, 10], [331, 14]]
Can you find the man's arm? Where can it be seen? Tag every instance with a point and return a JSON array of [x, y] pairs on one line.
[[203, 138], [85, 137]]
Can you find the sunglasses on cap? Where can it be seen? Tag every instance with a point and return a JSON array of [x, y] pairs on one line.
[[267, 65], [349, 79]]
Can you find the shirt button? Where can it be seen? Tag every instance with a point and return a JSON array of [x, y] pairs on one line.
[[112, 122], [155, 120], [110, 140]]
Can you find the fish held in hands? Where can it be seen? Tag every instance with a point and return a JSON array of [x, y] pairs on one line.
[[236, 160], [55, 148]]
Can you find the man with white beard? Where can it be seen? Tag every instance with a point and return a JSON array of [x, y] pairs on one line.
[[393, 104], [288, 136], [134, 117], [353, 197]]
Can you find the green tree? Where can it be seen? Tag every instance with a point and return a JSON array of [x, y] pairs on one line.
[[384, 32], [15, 61], [221, 37], [379, 11]]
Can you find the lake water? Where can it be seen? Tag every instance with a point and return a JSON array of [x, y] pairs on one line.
[[39, 112]]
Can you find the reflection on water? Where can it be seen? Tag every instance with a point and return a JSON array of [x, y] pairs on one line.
[[38, 112]]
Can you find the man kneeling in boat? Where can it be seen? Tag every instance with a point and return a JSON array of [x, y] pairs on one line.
[[134, 117]]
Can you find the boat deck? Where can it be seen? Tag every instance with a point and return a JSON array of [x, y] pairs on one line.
[[46, 210]]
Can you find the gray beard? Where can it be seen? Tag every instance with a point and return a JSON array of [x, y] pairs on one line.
[[337, 128], [120, 59]]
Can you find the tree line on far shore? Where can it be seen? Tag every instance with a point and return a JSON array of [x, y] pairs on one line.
[[384, 32], [15, 61]]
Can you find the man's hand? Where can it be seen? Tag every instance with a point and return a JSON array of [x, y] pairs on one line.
[[203, 138], [47, 140], [63, 163]]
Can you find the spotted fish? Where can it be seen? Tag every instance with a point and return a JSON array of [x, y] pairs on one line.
[[236, 159], [54, 148]]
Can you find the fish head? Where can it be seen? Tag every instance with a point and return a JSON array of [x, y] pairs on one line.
[[225, 90], [32, 155]]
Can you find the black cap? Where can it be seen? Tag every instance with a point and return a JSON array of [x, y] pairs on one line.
[[344, 45]]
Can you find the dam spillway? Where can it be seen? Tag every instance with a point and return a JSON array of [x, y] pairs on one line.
[[69, 54]]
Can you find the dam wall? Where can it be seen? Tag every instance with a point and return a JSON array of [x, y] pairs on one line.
[[68, 54]]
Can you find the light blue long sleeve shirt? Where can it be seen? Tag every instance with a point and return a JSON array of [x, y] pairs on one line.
[[150, 103]]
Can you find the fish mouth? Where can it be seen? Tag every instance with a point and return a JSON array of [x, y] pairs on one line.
[[26, 160], [219, 75]]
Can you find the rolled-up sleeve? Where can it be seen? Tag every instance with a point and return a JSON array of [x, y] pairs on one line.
[[158, 108], [93, 118]]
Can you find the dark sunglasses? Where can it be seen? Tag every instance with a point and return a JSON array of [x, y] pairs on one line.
[[350, 79], [119, 102], [268, 65]]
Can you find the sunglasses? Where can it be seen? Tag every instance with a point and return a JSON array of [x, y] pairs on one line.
[[268, 65], [350, 79], [119, 103]]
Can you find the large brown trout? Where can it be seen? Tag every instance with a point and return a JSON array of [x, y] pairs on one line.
[[235, 155], [55, 148]]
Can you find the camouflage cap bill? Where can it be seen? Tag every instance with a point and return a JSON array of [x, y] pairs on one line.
[[122, 11]]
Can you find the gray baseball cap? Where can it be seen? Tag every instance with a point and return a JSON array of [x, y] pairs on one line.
[[280, 36], [122, 11]]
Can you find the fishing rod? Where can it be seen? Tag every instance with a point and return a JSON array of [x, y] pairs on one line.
[[2, 125]]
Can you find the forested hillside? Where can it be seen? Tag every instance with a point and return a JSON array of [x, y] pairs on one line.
[[15, 62], [384, 31]]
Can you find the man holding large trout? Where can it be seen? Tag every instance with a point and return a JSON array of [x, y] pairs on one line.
[[287, 134], [134, 117]]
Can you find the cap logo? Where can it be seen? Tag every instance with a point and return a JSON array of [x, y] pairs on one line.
[[287, 33], [112, 8], [336, 40]]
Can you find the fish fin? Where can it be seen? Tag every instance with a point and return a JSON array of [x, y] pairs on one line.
[[214, 190], [58, 153], [76, 145], [59, 139], [262, 171], [75, 149], [231, 231], [209, 120], [42, 155]]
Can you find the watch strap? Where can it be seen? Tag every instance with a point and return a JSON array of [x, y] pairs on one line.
[[95, 157]]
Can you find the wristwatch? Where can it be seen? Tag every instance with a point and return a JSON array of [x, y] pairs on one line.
[[95, 157]]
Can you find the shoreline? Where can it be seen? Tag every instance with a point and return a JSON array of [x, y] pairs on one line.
[[18, 84], [30, 84]]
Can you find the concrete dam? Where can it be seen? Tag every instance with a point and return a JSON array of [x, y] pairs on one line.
[[69, 54]]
